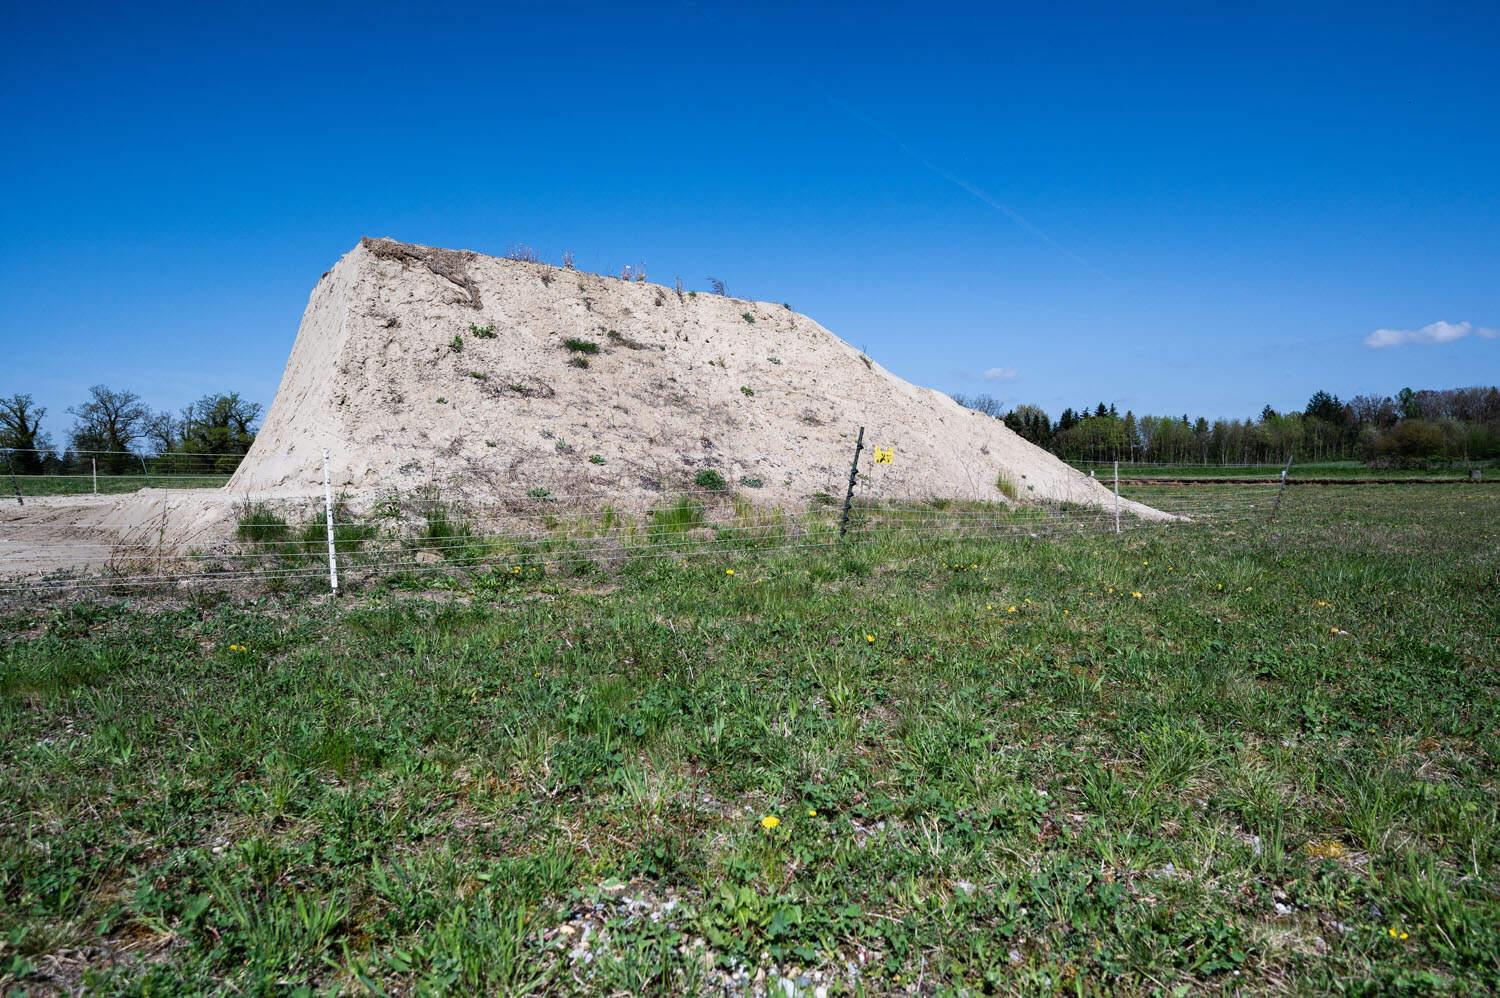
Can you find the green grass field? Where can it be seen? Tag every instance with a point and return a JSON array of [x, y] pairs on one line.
[[80, 485], [1309, 470], [1182, 760]]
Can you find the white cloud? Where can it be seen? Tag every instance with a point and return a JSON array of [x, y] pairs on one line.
[[1001, 374], [1437, 332]]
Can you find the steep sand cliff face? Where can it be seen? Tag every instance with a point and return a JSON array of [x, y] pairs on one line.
[[415, 365]]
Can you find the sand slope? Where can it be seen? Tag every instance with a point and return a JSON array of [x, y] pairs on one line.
[[680, 383]]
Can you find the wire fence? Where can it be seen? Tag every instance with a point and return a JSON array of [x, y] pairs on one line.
[[322, 541], [30, 472]]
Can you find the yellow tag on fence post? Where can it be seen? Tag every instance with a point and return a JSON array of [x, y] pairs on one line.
[[885, 455]]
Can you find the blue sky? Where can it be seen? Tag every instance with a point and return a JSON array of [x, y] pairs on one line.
[[1180, 209]]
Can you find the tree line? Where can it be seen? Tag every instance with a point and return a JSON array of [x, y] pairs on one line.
[[1413, 429], [121, 433]]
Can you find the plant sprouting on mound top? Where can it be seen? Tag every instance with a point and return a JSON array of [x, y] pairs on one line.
[[441, 400], [710, 480], [578, 361], [718, 287], [747, 317], [456, 344], [485, 332], [747, 391], [577, 345], [750, 483], [596, 459], [562, 446], [523, 253]]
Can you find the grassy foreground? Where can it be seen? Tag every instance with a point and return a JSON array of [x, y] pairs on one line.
[[1184, 760]]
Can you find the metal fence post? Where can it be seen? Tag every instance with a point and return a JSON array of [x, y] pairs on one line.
[[94, 464], [13, 483], [1117, 497], [333, 564], [1276, 506], [859, 445], [144, 471]]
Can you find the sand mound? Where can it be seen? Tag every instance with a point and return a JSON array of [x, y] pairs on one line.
[[415, 365]]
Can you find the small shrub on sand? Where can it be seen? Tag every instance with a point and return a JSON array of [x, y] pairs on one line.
[[486, 332], [348, 537], [596, 459], [456, 344], [747, 317], [260, 524], [578, 362], [453, 538], [681, 516], [709, 479], [577, 345], [746, 391]]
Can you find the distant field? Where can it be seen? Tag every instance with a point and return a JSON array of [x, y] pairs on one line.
[[60, 485], [1328, 469], [1182, 760]]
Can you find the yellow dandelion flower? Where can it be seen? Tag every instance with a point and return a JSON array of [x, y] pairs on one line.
[[728, 571], [1402, 936], [870, 638], [812, 812], [1136, 595], [1010, 610], [770, 821]]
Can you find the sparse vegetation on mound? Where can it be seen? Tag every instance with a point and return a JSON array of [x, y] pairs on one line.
[[709, 479]]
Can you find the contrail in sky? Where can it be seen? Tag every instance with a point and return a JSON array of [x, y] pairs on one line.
[[960, 182]]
